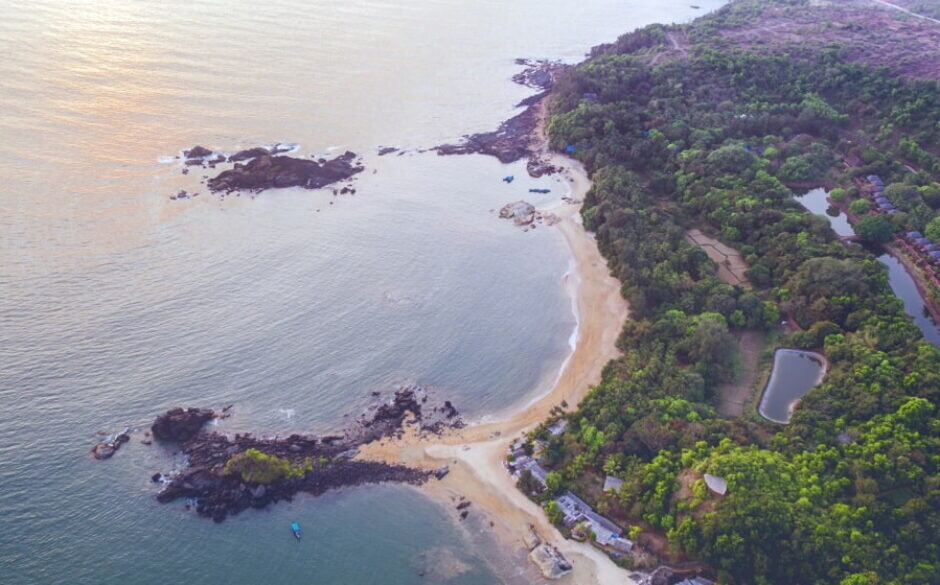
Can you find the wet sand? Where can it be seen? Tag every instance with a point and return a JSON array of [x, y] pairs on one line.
[[476, 453]]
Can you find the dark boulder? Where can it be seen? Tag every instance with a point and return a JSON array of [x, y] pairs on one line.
[[248, 153], [104, 450], [180, 425], [197, 152]]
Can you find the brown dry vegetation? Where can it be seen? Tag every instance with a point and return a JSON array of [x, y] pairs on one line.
[[869, 33]]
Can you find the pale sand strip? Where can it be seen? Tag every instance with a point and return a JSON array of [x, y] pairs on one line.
[[476, 453]]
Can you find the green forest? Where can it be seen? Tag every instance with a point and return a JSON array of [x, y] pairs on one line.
[[721, 140]]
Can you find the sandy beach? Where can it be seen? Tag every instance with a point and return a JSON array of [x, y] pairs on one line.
[[476, 453]]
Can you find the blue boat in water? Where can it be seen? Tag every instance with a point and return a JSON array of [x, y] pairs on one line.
[[296, 528]]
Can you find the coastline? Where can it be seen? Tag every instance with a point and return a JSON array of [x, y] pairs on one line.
[[475, 453]]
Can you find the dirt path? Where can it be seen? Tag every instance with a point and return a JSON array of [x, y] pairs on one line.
[[906, 11], [735, 394]]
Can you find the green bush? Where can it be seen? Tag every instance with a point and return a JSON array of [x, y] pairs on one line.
[[860, 206], [257, 467], [875, 228]]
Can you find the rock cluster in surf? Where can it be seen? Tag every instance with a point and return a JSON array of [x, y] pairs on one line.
[[525, 215]]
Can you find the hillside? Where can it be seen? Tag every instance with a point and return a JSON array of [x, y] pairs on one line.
[[714, 126]]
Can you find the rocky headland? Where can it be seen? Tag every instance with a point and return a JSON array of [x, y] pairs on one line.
[[225, 475], [518, 137]]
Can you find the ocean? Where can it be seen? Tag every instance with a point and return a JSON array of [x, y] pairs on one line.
[[117, 302]]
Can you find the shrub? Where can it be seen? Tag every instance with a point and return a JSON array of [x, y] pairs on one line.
[[860, 206], [257, 467]]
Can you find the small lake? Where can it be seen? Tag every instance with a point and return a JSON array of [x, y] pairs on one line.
[[794, 374], [816, 201], [900, 281]]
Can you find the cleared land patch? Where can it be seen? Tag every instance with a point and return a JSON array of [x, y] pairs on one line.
[[731, 266]]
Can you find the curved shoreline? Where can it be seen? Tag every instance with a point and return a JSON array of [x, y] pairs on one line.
[[476, 453]]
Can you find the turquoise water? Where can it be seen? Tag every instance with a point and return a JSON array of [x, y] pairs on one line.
[[117, 303]]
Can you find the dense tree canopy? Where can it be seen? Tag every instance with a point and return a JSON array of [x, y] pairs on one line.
[[849, 492]]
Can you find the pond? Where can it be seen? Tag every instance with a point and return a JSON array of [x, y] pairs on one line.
[[816, 201], [794, 374]]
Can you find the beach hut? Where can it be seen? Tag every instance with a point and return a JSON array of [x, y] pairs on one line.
[[558, 428]]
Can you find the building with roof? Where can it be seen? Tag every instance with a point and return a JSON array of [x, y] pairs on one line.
[[558, 428], [612, 484], [696, 581], [606, 533]]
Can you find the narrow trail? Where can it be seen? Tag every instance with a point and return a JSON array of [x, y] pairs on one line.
[[905, 10]]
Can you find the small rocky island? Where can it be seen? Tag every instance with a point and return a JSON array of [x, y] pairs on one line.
[[268, 167], [225, 475], [268, 171]]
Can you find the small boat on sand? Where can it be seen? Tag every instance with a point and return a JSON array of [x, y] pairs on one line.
[[296, 528]]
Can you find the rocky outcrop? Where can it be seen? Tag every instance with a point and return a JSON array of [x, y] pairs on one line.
[[516, 138], [526, 216], [546, 557], [268, 171], [550, 561], [197, 151], [538, 73], [107, 449], [521, 212], [327, 462], [179, 425], [219, 495], [248, 154]]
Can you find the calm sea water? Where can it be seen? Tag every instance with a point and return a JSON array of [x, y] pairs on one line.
[[117, 303]]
